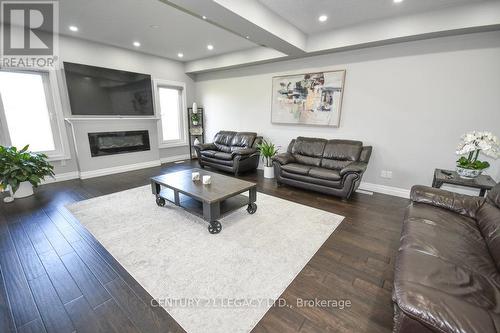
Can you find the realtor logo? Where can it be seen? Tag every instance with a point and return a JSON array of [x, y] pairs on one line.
[[29, 33]]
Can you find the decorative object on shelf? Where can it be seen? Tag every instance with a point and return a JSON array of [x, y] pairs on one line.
[[195, 118], [471, 145], [267, 151], [22, 170], [195, 107], [207, 180], [308, 99], [195, 176], [195, 129]]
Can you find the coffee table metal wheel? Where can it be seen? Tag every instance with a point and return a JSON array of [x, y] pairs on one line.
[[252, 208], [160, 201], [214, 227]]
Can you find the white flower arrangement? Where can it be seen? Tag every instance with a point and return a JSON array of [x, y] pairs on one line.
[[472, 144]]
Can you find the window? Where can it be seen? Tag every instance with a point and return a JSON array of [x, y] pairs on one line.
[[27, 112], [170, 101]]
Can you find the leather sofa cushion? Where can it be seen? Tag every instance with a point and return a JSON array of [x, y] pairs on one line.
[[454, 238], [218, 161], [340, 153], [223, 140], [308, 150], [313, 147], [307, 160], [488, 221], [208, 153], [312, 180], [296, 168], [243, 140], [445, 276], [323, 173], [444, 296], [334, 164], [223, 156], [493, 197]]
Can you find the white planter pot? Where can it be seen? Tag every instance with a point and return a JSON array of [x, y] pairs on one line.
[[268, 172], [25, 190]]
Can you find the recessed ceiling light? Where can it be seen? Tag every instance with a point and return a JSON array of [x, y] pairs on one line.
[[204, 17], [322, 18], [397, 1], [247, 37], [137, 44], [180, 54], [154, 26], [210, 47], [73, 28]]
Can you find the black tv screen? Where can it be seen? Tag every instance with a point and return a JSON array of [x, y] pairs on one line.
[[96, 91]]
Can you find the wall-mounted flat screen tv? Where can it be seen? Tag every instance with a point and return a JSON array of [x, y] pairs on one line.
[[96, 91]]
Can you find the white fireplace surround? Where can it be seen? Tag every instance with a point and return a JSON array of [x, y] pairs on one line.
[[90, 167]]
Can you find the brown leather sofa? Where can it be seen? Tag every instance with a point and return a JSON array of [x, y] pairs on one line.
[[231, 151], [329, 166], [447, 267]]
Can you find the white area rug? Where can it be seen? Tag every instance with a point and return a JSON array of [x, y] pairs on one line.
[[208, 283]]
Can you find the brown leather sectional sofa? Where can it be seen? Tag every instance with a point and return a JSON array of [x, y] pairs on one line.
[[447, 267], [231, 151], [333, 167]]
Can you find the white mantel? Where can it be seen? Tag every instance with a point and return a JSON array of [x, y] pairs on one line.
[[101, 165]]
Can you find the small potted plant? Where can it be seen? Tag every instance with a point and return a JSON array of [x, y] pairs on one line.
[[195, 119], [267, 151], [21, 170], [473, 143]]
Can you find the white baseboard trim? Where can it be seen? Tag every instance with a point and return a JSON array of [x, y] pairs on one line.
[[174, 158], [61, 177], [118, 169], [396, 191]]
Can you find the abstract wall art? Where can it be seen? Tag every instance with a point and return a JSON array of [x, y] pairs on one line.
[[308, 99]]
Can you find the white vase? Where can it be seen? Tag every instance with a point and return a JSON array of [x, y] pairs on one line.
[[195, 107], [268, 172], [196, 142], [25, 190]]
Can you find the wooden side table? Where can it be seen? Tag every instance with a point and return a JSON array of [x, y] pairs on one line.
[[483, 182]]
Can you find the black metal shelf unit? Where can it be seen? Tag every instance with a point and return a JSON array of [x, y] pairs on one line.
[[196, 130]]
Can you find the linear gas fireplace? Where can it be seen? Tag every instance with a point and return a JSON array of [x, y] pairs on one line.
[[110, 143]]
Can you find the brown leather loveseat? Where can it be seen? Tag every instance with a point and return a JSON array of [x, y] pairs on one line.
[[447, 267], [333, 167], [231, 151]]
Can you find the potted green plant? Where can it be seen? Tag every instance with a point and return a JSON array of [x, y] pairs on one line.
[[473, 143], [267, 151], [195, 119], [21, 170]]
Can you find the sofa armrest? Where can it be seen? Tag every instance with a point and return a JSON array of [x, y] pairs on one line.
[[355, 167], [205, 146], [283, 158], [244, 152], [461, 204]]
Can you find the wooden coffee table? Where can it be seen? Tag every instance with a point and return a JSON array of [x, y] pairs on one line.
[[210, 202]]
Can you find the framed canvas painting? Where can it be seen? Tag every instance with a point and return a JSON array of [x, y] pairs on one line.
[[308, 99]]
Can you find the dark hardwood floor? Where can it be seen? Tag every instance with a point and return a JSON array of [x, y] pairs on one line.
[[55, 277]]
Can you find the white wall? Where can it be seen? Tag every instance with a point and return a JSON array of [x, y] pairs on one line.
[[96, 54], [411, 101]]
